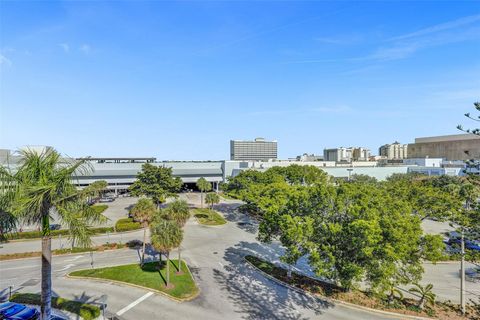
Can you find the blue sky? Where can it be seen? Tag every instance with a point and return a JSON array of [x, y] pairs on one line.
[[178, 80]]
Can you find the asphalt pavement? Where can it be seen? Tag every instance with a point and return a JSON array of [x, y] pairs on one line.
[[229, 288]]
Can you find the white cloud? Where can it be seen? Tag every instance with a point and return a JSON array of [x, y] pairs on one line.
[[85, 48], [340, 39], [439, 27], [334, 109], [5, 61], [65, 47], [408, 46]]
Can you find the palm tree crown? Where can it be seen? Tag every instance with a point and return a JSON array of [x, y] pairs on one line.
[[41, 186]]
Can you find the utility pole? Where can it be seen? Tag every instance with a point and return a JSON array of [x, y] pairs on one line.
[[462, 273]]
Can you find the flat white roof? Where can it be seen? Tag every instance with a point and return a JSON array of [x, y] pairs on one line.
[[452, 137]]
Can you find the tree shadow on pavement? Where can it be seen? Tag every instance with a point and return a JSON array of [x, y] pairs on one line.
[[231, 214], [257, 297]]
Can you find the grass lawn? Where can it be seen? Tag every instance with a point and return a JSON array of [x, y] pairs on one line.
[[149, 276], [100, 208], [209, 217]]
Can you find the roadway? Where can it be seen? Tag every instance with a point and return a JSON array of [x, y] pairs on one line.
[[229, 287]]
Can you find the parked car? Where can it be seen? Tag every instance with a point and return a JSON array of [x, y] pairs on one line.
[[55, 226], [454, 239], [26, 314], [106, 199], [17, 311], [473, 274]]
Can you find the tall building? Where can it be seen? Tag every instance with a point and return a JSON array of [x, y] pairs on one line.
[[309, 157], [259, 150], [360, 154], [394, 151], [451, 147], [343, 154]]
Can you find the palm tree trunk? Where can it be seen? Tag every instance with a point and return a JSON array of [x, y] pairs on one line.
[[421, 304], [168, 268], [179, 261], [144, 238], [46, 296], [201, 194]]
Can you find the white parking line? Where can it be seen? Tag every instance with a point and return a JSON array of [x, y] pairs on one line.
[[68, 266], [134, 303]]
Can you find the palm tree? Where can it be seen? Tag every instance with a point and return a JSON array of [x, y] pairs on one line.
[[425, 293], [203, 185], [212, 198], [143, 212], [179, 212], [41, 186], [165, 235], [393, 294]]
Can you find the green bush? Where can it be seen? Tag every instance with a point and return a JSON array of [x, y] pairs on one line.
[[84, 310], [127, 224], [53, 233]]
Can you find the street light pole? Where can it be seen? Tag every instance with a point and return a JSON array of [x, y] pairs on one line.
[[462, 273], [349, 173]]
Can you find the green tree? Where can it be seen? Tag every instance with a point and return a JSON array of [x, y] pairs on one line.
[[296, 237], [143, 212], [204, 186], [475, 131], [212, 198], [156, 183], [473, 165], [426, 296], [165, 236], [96, 188], [8, 223], [41, 186], [351, 232], [179, 212]]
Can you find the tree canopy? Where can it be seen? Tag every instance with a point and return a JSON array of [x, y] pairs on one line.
[[360, 230], [156, 182]]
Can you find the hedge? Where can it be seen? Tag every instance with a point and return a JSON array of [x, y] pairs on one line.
[[63, 232], [127, 224], [84, 310]]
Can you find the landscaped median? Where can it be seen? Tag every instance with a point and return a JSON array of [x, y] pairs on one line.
[[84, 310], [182, 285], [103, 247], [407, 307], [208, 217], [122, 225]]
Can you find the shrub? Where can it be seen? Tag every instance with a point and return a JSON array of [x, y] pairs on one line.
[[84, 310], [127, 224]]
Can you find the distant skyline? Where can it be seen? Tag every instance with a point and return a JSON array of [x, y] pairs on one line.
[[179, 80]]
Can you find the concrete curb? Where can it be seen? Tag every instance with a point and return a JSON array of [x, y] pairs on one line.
[[343, 303], [211, 226], [179, 300]]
